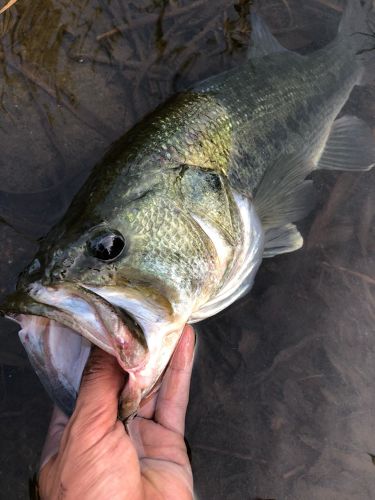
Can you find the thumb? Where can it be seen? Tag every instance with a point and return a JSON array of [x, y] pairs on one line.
[[97, 403]]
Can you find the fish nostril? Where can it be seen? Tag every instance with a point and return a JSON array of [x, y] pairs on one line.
[[60, 269], [32, 273], [34, 267]]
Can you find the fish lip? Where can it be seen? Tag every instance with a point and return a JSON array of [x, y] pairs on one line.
[[129, 347]]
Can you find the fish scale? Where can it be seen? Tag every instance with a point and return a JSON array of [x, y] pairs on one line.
[[309, 91]]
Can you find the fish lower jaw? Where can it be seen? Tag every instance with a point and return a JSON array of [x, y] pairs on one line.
[[59, 325], [59, 354]]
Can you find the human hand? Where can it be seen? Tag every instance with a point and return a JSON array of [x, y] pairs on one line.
[[98, 459]]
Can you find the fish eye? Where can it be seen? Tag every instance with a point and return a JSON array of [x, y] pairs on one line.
[[106, 245]]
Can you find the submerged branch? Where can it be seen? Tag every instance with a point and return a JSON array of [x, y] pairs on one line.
[[361, 276], [7, 6]]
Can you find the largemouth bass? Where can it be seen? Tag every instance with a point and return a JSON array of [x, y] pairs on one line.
[[173, 224]]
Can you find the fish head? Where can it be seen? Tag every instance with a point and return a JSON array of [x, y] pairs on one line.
[[124, 278]]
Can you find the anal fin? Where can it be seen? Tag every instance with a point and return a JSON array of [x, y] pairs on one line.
[[350, 146]]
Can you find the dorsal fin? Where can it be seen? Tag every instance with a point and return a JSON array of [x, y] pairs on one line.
[[262, 40]]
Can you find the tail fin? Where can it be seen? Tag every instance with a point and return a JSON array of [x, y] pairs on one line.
[[357, 30], [358, 23], [355, 17]]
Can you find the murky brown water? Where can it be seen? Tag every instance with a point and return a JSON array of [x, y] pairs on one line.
[[282, 399]]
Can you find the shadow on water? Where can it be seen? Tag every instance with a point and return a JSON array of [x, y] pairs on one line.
[[281, 403]]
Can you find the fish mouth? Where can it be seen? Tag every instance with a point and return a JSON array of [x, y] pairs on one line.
[[60, 323], [109, 327]]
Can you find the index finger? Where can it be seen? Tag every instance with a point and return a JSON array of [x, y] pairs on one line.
[[174, 392]]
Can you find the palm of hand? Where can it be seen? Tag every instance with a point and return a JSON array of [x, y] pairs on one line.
[[99, 458]]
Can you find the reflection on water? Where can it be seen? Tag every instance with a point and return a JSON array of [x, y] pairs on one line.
[[281, 403]]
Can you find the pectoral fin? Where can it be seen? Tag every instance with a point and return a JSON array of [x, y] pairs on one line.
[[283, 197], [350, 146]]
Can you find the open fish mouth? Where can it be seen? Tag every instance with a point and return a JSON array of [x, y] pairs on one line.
[[59, 323]]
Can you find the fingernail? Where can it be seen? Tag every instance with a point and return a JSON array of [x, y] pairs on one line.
[[188, 450], [195, 336], [129, 400]]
